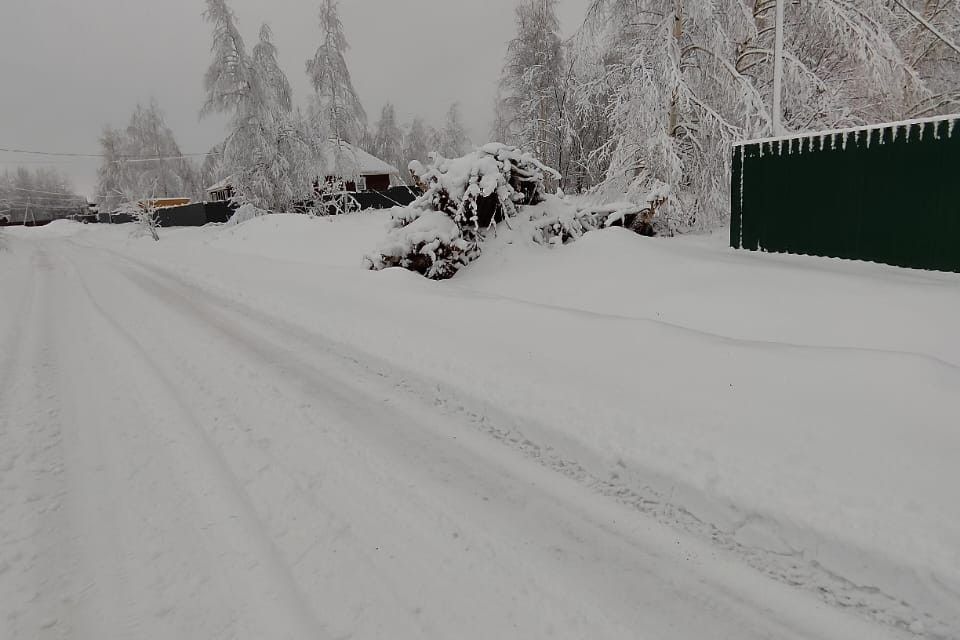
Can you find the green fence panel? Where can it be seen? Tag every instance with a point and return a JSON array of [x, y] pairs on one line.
[[888, 194], [736, 162]]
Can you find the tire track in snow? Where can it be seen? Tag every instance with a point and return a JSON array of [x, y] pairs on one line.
[[12, 344], [34, 565], [259, 580]]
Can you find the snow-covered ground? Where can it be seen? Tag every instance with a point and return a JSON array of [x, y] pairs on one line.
[[239, 432]]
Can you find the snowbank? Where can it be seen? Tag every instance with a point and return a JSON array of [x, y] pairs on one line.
[[328, 241], [56, 229], [245, 213]]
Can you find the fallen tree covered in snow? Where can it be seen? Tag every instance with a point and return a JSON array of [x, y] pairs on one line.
[[464, 198]]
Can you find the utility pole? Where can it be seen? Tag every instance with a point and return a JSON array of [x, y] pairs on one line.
[[778, 74]]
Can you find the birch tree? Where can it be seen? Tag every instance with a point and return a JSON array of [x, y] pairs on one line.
[[144, 160], [110, 188], [336, 111], [677, 103], [681, 80], [533, 84], [416, 146], [283, 174], [388, 138], [454, 141], [266, 153]]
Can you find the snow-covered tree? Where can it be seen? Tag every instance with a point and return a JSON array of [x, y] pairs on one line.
[[289, 160], [144, 160], [677, 102], [465, 197], [930, 40], [42, 194], [416, 146], [434, 139], [533, 84], [677, 81], [592, 83], [149, 137], [110, 183], [454, 140], [266, 153], [336, 111], [387, 141], [212, 169]]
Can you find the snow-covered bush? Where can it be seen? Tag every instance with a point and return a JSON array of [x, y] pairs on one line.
[[464, 197], [144, 214], [333, 199]]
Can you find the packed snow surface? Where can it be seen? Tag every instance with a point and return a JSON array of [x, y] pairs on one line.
[[240, 432]]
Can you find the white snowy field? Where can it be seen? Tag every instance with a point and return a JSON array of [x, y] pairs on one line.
[[239, 432]]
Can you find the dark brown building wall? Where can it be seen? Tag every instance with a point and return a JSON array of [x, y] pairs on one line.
[[378, 183]]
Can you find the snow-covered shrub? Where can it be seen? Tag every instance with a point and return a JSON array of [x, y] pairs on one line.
[[333, 199], [471, 194], [144, 213]]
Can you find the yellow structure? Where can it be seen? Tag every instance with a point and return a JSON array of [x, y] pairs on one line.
[[162, 203]]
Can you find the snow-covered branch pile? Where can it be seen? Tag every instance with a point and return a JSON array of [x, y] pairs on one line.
[[442, 231], [558, 222]]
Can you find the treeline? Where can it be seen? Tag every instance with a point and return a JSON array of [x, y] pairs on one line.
[[274, 148], [642, 103], [646, 99], [41, 194]]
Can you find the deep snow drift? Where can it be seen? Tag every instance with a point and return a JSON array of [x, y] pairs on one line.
[[799, 413]]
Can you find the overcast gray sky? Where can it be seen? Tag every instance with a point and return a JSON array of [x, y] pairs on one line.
[[69, 67]]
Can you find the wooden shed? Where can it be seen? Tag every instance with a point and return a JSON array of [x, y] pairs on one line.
[[359, 170]]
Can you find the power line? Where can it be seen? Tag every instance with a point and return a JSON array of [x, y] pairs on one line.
[[41, 207], [19, 162], [49, 153], [51, 193], [100, 155]]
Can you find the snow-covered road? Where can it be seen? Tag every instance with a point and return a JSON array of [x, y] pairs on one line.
[[179, 465]]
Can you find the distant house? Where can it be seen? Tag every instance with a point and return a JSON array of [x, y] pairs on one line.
[[222, 191], [359, 170], [342, 161], [374, 183]]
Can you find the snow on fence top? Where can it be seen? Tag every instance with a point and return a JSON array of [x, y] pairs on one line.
[[832, 134]]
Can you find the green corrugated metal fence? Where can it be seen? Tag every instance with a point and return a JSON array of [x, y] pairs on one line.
[[887, 194]]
